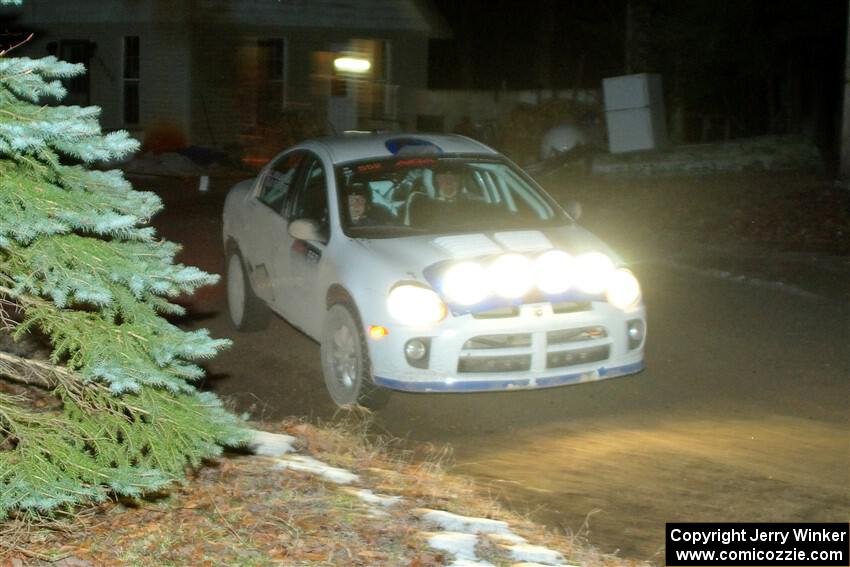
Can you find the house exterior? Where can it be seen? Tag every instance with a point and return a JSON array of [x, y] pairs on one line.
[[214, 70]]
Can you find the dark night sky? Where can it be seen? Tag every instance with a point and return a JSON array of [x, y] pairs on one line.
[[499, 41]]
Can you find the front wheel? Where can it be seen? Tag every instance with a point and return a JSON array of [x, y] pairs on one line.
[[345, 361], [247, 311]]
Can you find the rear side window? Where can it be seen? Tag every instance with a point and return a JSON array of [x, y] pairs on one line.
[[279, 180]]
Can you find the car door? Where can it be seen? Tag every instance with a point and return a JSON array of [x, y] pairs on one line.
[[268, 223], [298, 261]]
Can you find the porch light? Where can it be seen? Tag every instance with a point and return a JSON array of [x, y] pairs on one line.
[[352, 64]]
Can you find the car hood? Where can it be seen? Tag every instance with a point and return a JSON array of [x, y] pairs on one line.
[[412, 254]]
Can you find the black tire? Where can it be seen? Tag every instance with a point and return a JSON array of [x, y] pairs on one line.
[[247, 311], [346, 366]]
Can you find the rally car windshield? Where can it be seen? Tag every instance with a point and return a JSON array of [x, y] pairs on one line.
[[437, 195]]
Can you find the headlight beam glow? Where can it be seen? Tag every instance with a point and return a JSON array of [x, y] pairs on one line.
[[466, 283], [554, 271], [623, 289], [415, 305], [511, 275]]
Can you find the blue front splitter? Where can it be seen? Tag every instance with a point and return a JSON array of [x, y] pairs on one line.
[[455, 385]]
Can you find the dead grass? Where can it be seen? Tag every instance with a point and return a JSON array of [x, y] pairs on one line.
[[237, 511]]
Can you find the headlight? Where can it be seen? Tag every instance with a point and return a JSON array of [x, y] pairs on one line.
[[466, 283], [593, 272], [511, 275], [623, 289], [415, 305], [554, 271]]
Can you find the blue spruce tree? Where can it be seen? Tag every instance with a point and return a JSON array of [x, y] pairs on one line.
[[79, 267]]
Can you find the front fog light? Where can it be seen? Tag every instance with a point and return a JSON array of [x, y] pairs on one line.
[[635, 329], [412, 304], [415, 349], [623, 289], [416, 352]]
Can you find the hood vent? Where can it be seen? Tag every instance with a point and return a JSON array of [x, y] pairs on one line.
[[467, 245], [524, 241], [473, 245]]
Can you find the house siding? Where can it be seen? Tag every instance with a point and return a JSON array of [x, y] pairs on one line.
[[163, 79], [195, 68], [219, 98]]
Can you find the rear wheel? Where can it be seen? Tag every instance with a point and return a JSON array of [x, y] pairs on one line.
[[247, 311], [345, 361]]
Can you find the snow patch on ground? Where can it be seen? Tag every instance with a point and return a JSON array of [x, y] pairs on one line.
[[309, 464], [370, 497], [461, 537], [535, 554], [461, 545], [270, 444], [509, 537], [470, 563], [465, 524]]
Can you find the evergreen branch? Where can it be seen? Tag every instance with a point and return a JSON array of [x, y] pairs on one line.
[[32, 372], [78, 266]]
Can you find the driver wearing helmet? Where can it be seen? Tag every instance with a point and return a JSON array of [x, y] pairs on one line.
[[361, 211]]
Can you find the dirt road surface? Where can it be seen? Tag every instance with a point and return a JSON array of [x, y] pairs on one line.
[[741, 415]]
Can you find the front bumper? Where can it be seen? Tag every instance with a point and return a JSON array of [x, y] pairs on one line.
[[597, 348]]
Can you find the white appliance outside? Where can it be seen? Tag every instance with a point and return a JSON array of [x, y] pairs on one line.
[[634, 112]]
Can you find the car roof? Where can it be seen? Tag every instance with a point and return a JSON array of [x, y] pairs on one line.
[[354, 146]]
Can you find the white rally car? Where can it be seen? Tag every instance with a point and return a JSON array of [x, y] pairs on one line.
[[427, 263]]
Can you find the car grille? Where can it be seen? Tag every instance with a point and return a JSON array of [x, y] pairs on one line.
[[498, 341], [500, 313], [575, 335], [515, 352], [571, 307], [573, 357], [515, 363], [558, 308]]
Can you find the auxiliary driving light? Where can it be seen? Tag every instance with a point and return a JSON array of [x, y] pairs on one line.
[[511, 275], [466, 283], [553, 271]]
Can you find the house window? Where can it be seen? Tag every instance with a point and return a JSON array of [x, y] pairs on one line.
[[131, 79], [373, 90], [271, 78], [77, 51]]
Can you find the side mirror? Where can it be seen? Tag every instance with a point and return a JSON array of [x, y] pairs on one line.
[[306, 229], [573, 208]]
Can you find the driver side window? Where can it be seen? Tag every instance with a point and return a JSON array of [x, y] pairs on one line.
[[310, 199], [279, 180]]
